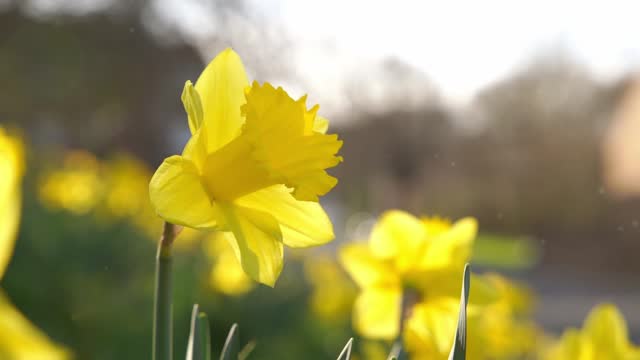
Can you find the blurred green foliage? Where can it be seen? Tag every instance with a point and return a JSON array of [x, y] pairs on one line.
[[89, 285]]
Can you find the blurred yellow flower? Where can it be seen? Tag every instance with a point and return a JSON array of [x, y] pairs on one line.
[[19, 340], [332, 293], [76, 187], [11, 170], [116, 188], [425, 257], [125, 195], [126, 186], [603, 337], [226, 275], [254, 167], [504, 329]]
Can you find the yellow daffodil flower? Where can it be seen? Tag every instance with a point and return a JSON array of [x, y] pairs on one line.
[[76, 187], [126, 178], [504, 329], [19, 339], [426, 256], [11, 169], [603, 337], [226, 275], [254, 168]]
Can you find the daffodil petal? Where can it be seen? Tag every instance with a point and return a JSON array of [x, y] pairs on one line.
[[303, 223], [607, 329], [193, 106], [400, 235], [452, 247], [442, 283], [434, 324], [178, 196], [573, 346], [376, 313], [11, 168], [321, 125], [196, 149], [256, 240], [10, 216], [365, 269], [221, 88], [22, 340]]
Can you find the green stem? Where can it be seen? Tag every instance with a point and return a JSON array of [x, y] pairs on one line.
[[409, 298], [162, 306]]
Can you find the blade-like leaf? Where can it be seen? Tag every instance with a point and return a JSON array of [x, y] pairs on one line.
[[231, 345], [199, 347], [247, 350], [396, 352], [346, 351], [459, 349]]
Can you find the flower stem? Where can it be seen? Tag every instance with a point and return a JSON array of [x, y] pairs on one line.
[[409, 299], [162, 306]]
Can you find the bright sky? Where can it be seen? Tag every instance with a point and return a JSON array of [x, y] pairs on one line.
[[461, 46]]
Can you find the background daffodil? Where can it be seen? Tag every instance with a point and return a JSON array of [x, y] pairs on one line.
[[226, 274], [11, 170], [504, 329], [409, 255], [254, 168], [603, 337], [19, 339]]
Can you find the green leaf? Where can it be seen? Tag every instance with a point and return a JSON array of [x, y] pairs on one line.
[[459, 349], [346, 351], [246, 350], [231, 345], [199, 347], [397, 352]]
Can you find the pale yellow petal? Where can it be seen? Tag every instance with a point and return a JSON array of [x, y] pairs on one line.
[[9, 220], [376, 313], [221, 87], [11, 169], [606, 329], [452, 247], [257, 242], [193, 106], [571, 347], [303, 223], [445, 283], [433, 324], [196, 149], [178, 196], [321, 125], [398, 235], [20, 340], [365, 269]]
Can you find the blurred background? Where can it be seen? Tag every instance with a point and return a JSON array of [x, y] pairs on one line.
[[525, 115]]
